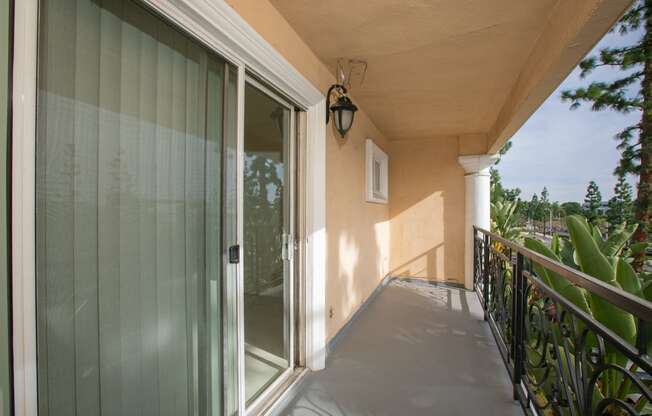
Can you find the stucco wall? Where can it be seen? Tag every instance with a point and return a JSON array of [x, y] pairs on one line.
[[357, 231], [427, 209], [421, 232]]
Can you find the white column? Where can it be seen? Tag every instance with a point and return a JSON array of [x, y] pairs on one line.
[[477, 204]]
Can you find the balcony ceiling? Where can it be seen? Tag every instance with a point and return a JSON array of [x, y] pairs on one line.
[[436, 67]]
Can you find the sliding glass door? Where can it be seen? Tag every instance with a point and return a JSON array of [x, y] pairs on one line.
[[163, 287], [268, 241], [130, 209]]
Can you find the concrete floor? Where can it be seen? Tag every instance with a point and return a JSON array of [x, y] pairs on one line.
[[417, 349]]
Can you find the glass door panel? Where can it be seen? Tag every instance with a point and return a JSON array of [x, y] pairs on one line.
[[267, 236], [130, 211], [231, 199]]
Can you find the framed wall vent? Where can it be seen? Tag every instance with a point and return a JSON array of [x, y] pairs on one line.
[[377, 173]]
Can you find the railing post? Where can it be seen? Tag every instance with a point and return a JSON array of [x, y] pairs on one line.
[[642, 337], [485, 276], [475, 257], [519, 323]]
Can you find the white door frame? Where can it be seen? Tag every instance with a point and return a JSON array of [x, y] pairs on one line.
[[218, 26], [263, 397]]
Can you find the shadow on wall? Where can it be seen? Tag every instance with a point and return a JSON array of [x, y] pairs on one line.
[[421, 264], [357, 231], [360, 267], [427, 210]]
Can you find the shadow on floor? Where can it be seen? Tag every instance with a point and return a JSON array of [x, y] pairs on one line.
[[418, 349]]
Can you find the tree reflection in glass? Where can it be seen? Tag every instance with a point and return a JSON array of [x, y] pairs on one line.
[[266, 221]]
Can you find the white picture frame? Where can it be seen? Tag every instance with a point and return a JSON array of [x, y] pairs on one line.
[[377, 173]]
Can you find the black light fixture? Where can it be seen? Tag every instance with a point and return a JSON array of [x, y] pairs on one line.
[[343, 109]]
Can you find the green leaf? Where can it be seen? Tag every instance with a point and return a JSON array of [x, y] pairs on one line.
[[627, 278], [576, 259], [617, 240], [566, 253], [594, 263], [560, 284], [638, 248], [647, 290], [555, 244], [597, 235], [588, 254]]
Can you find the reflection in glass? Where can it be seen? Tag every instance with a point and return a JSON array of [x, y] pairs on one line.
[[266, 144], [128, 227]]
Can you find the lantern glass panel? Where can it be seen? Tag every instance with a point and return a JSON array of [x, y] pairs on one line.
[[343, 120]]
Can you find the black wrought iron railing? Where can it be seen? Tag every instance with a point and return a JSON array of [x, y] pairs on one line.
[[562, 359]]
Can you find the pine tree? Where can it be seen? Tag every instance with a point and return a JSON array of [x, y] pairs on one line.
[[624, 192], [592, 202], [620, 205], [545, 196], [631, 92]]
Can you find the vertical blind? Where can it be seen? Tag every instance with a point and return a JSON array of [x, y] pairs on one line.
[[128, 232]]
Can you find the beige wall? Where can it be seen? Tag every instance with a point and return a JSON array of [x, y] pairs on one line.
[[427, 209], [421, 232], [357, 231]]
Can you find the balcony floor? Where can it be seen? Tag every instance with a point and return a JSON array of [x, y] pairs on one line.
[[417, 349]]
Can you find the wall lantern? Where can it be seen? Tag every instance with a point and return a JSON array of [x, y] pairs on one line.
[[343, 109]]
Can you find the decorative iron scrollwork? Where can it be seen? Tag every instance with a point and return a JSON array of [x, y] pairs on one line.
[[563, 361]]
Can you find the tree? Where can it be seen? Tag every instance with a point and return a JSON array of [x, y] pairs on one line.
[[503, 150], [592, 202], [556, 210], [504, 211], [496, 187], [544, 207], [555, 214], [498, 191], [534, 210], [263, 200], [545, 196], [512, 194], [504, 220], [620, 205], [630, 92], [571, 208]]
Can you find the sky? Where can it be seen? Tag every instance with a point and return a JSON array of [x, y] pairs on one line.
[[564, 149]]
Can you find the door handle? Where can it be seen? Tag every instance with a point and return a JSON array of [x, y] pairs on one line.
[[234, 254], [287, 249]]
